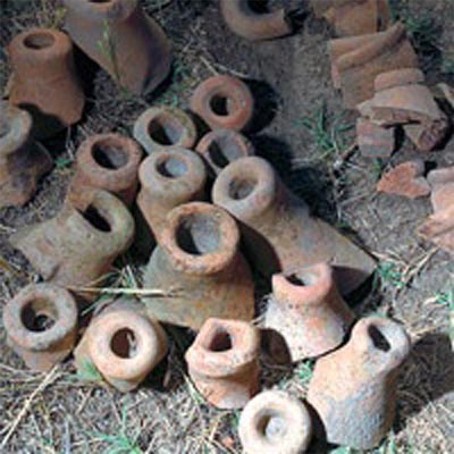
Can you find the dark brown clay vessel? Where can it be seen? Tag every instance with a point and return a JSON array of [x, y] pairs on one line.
[[279, 232], [41, 325], [353, 390], [223, 362], [198, 263], [44, 80], [122, 39]]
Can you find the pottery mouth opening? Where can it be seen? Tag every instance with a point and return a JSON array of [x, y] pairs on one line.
[[241, 188], [4, 128], [39, 40], [259, 6], [96, 220], [165, 130], [124, 343], [221, 342], [220, 154], [378, 339], [109, 155], [99, 1], [302, 279], [39, 315], [221, 105], [272, 426], [172, 167]]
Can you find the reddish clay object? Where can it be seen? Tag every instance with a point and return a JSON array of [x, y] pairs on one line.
[[275, 422], [223, 102], [169, 179], [278, 230], [374, 141], [353, 390], [41, 325], [44, 80], [222, 146], [308, 312], [198, 263], [223, 362], [398, 78], [164, 128], [78, 246], [245, 22], [406, 179], [21, 164], [122, 39], [109, 162], [123, 345]]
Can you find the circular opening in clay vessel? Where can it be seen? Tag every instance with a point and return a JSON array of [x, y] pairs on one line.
[[4, 128], [39, 40], [272, 426], [109, 155], [39, 315], [222, 152], [99, 1], [220, 105], [94, 217], [221, 342], [198, 234], [301, 279], [259, 6], [124, 343], [378, 339], [172, 167], [165, 130], [240, 188]]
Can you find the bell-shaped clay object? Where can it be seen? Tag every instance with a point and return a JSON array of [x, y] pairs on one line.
[[275, 422], [21, 164], [122, 39], [41, 325], [223, 362], [353, 390], [109, 162], [44, 80], [78, 246], [279, 232], [198, 263], [169, 179], [164, 128], [308, 311]]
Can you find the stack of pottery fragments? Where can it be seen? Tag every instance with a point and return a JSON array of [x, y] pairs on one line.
[[206, 242]]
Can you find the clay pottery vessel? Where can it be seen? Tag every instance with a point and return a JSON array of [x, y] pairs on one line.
[[223, 102], [223, 362], [169, 179], [275, 422], [21, 164], [123, 345], [109, 162], [77, 247], [279, 232], [247, 23], [44, 80], [164, 128], [308, 311], [222, 146], [122, 39], [353, 390], [41, 325], [198, 263]]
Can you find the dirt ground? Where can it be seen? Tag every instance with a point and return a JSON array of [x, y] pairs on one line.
[[290, 78]]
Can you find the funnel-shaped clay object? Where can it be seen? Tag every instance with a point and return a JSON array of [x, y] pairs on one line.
[[353, 390], [123, 40], [307, 310], [275, 422], [279, 232], [21, 164], [41, 325], [223, 362], [44, 80], [198, 263]]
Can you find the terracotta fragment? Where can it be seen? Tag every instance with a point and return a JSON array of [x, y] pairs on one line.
[[279, 232], [44, 80], [169, 179], [21, 164], [198, 258], [122, 39], [275, 422], [109, 162], [163, 128], [309, 313], [41, 325], [398, 78], [374, 141], [223, 102], [223, 362], [353, 390]]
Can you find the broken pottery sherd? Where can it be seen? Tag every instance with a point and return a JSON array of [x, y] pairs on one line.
[[169, 179], [279, 232], [353, 390], [223, 102], [223, 362], [198, 263], [44, 80], [163, 128], [306, 309], [41, 325], [21, 164], [275, 422], [122, 39], [374, 141]]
